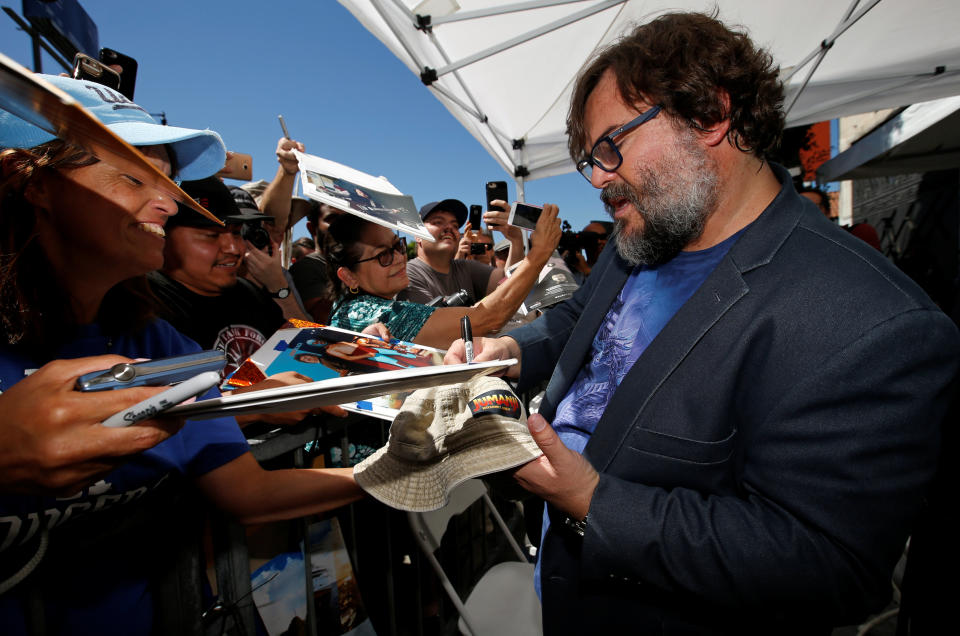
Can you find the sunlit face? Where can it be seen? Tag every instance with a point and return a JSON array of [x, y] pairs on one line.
[[666, 187], [205, 260], [445, 228], [102, 223], [372, 277]]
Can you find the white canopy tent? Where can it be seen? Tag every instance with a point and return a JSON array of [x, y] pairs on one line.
[[505, 68]]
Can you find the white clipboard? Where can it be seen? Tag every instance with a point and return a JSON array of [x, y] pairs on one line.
[[335, 390]]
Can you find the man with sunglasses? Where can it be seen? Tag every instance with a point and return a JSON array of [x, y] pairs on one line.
[[744, 402]]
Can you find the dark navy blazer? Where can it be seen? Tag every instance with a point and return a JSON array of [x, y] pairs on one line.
[[763, 460]]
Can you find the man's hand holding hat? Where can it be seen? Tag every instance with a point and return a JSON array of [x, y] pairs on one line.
[[562, 477]]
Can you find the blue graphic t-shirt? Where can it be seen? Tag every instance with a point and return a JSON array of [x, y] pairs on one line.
[[647, 302], [104, 592]]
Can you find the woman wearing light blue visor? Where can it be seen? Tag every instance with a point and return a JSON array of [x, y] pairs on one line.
[[77, 237]]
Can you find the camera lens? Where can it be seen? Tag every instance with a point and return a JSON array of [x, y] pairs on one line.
[[256, 235]]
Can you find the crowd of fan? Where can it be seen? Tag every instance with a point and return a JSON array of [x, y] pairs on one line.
[[100, 267]]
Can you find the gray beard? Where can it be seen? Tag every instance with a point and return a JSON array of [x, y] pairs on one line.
[[674, 212]]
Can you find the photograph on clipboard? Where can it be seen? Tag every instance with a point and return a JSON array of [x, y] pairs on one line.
[[323, 353], [357, 389], [372, 198]]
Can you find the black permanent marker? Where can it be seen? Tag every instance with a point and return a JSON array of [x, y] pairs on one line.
[[466, 332]]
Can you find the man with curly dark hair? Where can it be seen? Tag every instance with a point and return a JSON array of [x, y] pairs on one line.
[[744, 400]]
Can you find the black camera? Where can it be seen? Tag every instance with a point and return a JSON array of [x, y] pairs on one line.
[[252, 230], [458, 299], [480, 248], [575, 241]]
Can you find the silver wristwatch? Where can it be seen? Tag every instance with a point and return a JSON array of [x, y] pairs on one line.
[[283, 292], [578, 527]]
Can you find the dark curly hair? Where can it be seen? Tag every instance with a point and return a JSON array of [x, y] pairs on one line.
[[33, 311], [685, 62], [343, 246]]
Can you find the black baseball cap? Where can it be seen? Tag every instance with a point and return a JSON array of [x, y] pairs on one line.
[[216, 197], [454, 207]]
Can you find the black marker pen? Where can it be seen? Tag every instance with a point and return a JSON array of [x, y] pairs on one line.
[[466, 332]]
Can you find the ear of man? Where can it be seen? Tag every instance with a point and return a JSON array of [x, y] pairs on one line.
[[720, 130]]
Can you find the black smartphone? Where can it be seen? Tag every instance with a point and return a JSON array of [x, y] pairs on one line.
[[496, 190], [159, 372], [476, 217], [128, 70], [87, 68]]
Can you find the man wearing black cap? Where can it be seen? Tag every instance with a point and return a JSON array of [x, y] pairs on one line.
[[436, 271], [200, 290], [262, 264]]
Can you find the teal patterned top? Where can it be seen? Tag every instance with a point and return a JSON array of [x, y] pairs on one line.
[[403, 319]]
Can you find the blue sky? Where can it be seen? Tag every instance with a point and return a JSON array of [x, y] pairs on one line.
[[234, 66]]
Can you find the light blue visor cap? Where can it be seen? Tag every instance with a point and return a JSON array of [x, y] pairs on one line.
[[199, 153]]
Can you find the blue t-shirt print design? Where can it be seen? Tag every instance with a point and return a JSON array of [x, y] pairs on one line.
[[649, 299]]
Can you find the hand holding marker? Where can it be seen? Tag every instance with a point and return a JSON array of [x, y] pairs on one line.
[[160, 402]]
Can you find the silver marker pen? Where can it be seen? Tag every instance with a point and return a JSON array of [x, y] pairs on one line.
[[160, 402]]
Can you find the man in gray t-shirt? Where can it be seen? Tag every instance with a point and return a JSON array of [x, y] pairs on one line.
[[427, 283], [436, 271]]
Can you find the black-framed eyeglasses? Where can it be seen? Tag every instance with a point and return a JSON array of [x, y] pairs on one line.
[[605, 153], [385, 257]]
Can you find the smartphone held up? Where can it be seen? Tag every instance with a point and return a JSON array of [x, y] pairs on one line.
[[125, 65], [92, 70], [239, 166], [496, 190], [524, 215]]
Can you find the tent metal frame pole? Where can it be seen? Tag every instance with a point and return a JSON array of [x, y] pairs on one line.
[[475, 111], [825, 46], [518, 178], [829, 39], [467, 108], [403, 9], [508, 8], [529, 35], [497, 134], [383, 16], [910, 79]]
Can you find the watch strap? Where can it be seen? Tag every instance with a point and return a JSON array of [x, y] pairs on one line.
[[578, 527]]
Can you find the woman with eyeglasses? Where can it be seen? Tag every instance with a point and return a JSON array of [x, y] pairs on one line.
[[368, 267]]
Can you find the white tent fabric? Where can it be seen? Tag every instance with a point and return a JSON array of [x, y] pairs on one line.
[[885, 53]]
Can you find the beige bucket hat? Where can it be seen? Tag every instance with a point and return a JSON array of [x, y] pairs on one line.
[[444, 436]]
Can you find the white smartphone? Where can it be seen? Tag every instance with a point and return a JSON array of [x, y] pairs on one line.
[[524, 215]]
